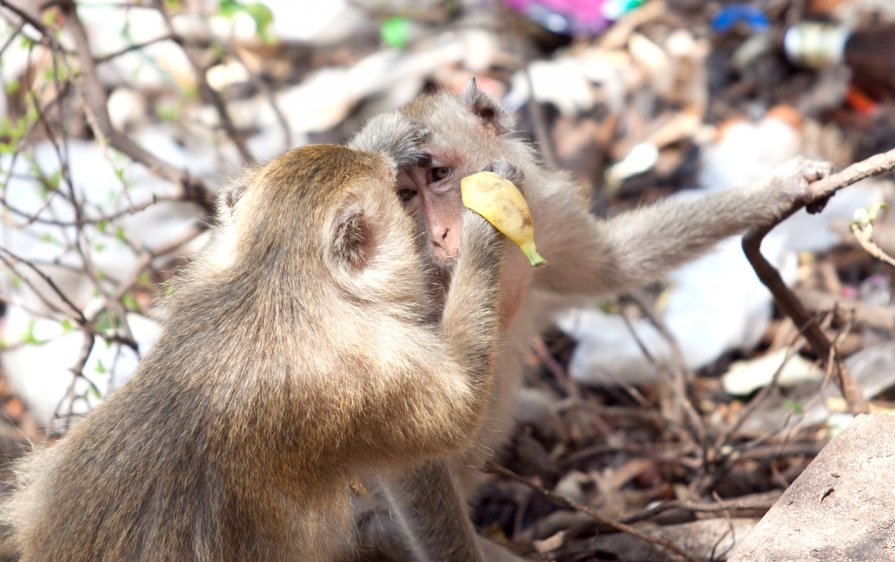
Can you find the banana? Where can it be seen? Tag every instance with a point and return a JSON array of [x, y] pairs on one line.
[[501, 203]]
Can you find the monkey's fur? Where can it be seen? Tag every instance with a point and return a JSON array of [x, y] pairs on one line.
[[299, 355], [586, 257]]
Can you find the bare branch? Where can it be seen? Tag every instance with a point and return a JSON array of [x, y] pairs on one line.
[[791, 306], [590, 512]]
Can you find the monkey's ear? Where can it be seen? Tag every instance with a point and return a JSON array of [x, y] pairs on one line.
[[486, 109], [351, 243], [231, 195]]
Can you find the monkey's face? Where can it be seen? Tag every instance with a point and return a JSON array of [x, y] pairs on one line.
[[431, 195]]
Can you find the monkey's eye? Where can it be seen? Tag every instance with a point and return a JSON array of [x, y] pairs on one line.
[[405, 195], [439, 173]]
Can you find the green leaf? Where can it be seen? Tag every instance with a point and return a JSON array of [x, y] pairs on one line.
[[101, 225], [68, 325], [100, 368], [130, 302], [120, 234], [12, 86], [229, 8], [262, 17], [29, 338], [395, 32], [49, 17], [54, 180], [793, 406], [106, 322]]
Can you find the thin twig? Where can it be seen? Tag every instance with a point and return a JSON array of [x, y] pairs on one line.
[[94, 95], [220, 107], [590, 512]]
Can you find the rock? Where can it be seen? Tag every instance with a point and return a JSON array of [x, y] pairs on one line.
[[841, 508]]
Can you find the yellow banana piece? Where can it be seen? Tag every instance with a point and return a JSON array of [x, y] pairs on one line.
[[501, 203]]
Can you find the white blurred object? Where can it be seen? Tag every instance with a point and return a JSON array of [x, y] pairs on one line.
[[716, 303], [41, 373], [560, 81], [745, 377]]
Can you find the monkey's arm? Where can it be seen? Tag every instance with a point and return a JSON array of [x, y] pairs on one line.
[[592, 257], [430, 385]]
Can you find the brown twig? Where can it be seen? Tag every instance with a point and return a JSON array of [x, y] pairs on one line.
[[94, 96], [220, 107], [760, 502], [864, 236], [590, 512], [786, 299]]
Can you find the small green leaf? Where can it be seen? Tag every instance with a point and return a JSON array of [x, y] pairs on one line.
[[68, 325], [49, 17], [101, 225], [395, 32], [29, 338], [54, 180], [120, 234], [130, 302], [262, 17], [12, 87], [100, 368], [106, 322], [99, 247], [228, 8], [793, 406]]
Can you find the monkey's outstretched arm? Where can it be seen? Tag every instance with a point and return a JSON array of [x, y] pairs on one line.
[[637, 247]]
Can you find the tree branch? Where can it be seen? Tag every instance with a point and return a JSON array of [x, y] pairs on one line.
[[821, 190]]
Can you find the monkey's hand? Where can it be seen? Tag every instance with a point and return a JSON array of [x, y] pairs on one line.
[[794, 180], [481, 245], [395, 135]]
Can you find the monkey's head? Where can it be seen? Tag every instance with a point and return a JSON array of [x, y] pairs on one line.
[[465, 135], [316, 212]]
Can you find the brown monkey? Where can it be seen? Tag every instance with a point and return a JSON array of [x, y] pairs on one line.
[[586, 256], [299, 355]]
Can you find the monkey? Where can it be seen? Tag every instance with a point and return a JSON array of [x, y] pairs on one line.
[[587, 257], [298, 356]]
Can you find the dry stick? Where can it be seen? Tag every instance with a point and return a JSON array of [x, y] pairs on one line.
[[590, 512], [206, 89], [761, 502], [680, 372], [821, 190], [193, 188], [863, 234]]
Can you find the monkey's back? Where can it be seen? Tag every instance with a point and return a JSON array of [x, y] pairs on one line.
[[174, 467], [149, 487]]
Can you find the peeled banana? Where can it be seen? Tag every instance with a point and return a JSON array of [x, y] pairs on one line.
[[501, 203]]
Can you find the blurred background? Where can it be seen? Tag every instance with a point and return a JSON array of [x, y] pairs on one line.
[[122, 119]]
